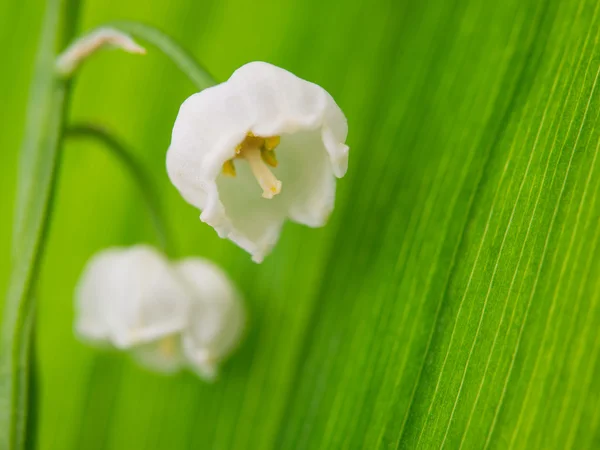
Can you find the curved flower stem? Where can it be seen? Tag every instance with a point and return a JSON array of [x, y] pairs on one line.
[[137, 171], [182, 59]]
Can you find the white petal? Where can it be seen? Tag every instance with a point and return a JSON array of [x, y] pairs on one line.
[[130, 296], [267, 101], [216, 316], [93, 294], [308, 192]]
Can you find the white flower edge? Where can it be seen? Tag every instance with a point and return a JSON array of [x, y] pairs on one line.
[[216, 317], [264, 100]]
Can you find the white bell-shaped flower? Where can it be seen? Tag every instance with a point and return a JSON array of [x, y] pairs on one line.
[[259, 148], [169, 315]]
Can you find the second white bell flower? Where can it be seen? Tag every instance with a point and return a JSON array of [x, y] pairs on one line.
[[167, 314], [260, 148]]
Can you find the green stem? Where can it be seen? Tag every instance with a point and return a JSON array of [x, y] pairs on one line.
[[137, 172], [182, 59], [39, 160], [31, 435]]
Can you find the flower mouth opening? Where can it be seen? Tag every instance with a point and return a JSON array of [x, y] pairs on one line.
[[167, 346], [259, 152]]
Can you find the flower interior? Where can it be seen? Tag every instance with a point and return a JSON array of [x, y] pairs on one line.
[[259, 152], [167, 346]]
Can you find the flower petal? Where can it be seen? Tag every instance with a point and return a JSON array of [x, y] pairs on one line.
[[252, 222], [130, 296], [93, 293], [216, 316], [308, 192]]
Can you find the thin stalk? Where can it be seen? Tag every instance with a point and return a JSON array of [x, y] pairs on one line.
[[138, 173], [39, 160], [175, 52]]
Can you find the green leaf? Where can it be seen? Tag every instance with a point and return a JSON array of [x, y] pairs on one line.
[[38, 163], [477, 326], [454, 298]]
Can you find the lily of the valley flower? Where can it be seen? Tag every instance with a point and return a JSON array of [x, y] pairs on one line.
[[257, 149], [170, 315]]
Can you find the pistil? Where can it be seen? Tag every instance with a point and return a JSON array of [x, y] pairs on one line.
[[270, 185]]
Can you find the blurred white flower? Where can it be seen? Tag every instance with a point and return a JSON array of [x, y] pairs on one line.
[[222, 154], [168, 314]]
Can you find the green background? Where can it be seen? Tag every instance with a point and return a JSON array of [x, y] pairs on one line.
[[454, 298]]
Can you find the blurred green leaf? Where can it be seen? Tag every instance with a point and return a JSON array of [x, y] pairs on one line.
[[38, 162], [453, 300]]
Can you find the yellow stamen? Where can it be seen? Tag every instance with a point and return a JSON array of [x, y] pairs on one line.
[[271, 143], [258, 151], [269, 157], [229, 168]]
